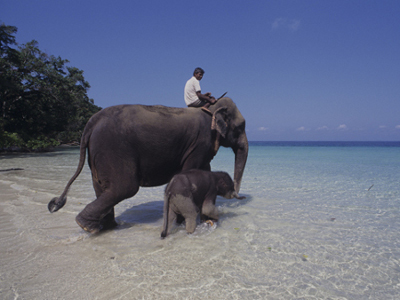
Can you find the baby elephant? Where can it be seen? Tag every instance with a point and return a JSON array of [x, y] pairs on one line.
[[192, 192]]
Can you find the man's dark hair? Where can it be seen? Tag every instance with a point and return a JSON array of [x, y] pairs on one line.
[[198, 70]]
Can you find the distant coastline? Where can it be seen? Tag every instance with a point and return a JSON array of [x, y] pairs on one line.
[[324, 144]]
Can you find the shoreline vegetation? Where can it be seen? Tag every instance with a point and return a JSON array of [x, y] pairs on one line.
[[19, 150], [44, 102]]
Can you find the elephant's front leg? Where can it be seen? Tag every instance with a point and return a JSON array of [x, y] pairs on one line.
[[209, 211], [191, 224]]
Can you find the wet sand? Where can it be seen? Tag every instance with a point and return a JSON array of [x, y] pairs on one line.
[[330, 236], [47, 256], [38, 262]]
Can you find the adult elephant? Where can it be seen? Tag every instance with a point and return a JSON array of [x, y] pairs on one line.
[[136, 145]]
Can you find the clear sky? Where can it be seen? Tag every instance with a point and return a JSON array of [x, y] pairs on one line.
[[301, 70]]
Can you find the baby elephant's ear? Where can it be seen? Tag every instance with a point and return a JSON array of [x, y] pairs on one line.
[[218, 121]]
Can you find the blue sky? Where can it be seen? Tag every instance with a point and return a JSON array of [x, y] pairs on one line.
[[298, 70]]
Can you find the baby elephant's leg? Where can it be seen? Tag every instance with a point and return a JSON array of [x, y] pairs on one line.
[[189, 211], [209, 211], [171, 219], [191, 224]]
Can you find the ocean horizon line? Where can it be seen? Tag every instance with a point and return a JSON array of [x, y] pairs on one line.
[[327, 143]]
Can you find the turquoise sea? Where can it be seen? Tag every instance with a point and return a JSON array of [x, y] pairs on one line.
[[321, 221]]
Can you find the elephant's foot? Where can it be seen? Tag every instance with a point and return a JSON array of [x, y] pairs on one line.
[[108, 224], [209, 222], [213, 218], [88, 225]]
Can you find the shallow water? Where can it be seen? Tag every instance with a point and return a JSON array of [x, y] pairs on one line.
[[318, 223]]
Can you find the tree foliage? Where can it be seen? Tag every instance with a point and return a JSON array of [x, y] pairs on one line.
[[43, 102]]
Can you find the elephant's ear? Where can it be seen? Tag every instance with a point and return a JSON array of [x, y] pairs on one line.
[[218, 121]]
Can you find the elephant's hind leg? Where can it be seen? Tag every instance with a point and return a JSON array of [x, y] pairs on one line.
[[171, 220], [99, 214], [190, 214], [88, 224], [114, 177], [108, 222]]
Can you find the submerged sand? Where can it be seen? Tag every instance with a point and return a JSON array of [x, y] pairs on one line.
[[310, 228], [47, 256]]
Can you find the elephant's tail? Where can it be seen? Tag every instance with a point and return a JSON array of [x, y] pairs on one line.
[[57, 203], [167, 198]]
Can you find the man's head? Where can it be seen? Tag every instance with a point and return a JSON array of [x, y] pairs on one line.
[[198, 73]]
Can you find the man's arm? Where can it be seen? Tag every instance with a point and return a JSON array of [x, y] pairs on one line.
[[206, 97]]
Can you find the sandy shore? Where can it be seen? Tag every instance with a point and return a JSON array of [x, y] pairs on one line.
[[327, 237], [42, 262], [28, 270], [47, 256]]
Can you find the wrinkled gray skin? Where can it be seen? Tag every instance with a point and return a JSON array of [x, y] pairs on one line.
[[136, 145], [192, 192]]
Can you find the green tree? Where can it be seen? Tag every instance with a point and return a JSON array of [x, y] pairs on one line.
[[11, 85], [41, 98]]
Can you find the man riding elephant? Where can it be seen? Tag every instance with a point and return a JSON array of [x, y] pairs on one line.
[[193, 95]]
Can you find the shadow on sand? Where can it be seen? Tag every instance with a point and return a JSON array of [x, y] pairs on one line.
[[152, 212]]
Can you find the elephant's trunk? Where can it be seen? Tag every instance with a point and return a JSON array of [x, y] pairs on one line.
[[241, 151], [236, 195]]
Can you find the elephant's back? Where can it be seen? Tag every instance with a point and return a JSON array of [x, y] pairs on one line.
[[140, 108]]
